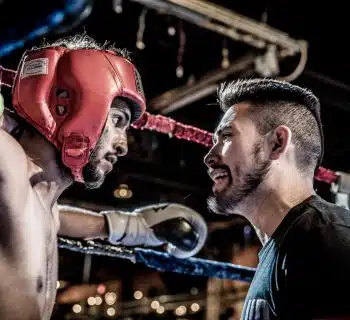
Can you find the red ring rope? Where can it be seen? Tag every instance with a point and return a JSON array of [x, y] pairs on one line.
[[179, 130]]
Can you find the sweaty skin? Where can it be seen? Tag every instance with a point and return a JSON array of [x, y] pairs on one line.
[[31, 182]]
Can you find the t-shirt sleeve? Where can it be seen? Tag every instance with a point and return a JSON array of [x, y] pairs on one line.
[[315, 273]]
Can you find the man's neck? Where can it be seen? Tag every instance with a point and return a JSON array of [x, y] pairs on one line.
[[46, 176], [266, 210], [48, 182]]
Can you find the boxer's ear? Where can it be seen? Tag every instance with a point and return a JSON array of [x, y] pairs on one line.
[[278, 141]]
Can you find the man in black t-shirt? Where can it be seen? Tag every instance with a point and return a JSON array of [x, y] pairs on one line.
[[265, 153]]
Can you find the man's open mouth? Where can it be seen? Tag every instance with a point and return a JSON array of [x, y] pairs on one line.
[[221, 179]]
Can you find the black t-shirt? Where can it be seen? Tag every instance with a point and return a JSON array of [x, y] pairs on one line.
[[304, 268]]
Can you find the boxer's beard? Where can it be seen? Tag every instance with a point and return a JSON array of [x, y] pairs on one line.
[[226, 201], [93, 176]]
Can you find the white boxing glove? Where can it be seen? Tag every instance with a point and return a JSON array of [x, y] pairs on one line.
[[182, 229]]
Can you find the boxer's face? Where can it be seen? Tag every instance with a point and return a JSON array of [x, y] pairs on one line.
[[236, 161], [112, 144]]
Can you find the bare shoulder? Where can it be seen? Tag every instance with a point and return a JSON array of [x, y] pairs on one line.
[[12, 152], [13, 167], [14, 188]]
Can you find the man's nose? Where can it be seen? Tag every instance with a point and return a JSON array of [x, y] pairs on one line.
[[121, 145], [210, 158]]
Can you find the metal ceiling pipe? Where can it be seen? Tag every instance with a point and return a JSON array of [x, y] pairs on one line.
[[174, 9], [239, 22], [228, 23], [180, 97]]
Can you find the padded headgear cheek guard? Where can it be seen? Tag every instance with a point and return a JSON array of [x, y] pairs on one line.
[[67, 94]]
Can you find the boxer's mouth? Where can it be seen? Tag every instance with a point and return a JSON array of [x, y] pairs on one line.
[[112, 158], [107, 166]]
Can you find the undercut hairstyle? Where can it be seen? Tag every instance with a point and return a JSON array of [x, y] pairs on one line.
[[274, 103]]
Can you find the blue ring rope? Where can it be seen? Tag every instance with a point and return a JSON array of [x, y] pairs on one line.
[[162, 261]]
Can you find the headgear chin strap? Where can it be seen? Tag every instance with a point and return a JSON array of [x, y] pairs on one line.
[[67, 94]]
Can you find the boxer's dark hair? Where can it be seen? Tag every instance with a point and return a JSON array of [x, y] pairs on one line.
[[277, 103], [84, 41]]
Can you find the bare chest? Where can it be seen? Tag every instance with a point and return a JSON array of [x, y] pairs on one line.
[[36, 242]]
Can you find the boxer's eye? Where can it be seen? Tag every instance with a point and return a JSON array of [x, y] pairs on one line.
[[120, 118], [117, 120]]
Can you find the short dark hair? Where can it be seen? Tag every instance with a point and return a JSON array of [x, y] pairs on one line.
[[84, 41], [277, 103]]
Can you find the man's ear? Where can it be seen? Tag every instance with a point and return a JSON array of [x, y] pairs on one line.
[[278, 141]]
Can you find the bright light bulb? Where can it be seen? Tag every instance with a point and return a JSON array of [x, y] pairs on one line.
[[180, 311], [160, 310], [140, 45], [225, 63], [138, 295], [91, 301], [98, 301], [155, 304], [179, 71], [171, 31], [110, 298], [77, 308], [195, 307], [111, 312]]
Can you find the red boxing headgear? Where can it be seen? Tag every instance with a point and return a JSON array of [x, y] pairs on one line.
[[67, 94]]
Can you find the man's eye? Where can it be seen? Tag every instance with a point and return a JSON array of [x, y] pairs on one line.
[[226, 136], [116, 120]]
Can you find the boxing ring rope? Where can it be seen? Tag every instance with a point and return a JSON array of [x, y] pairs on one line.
[[182, 131], [162, 261]]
